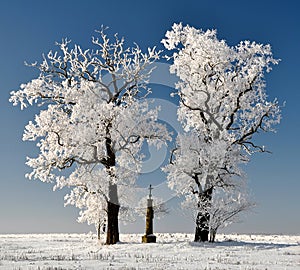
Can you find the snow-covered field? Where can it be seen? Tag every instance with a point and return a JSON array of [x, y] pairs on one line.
[[172, 251]]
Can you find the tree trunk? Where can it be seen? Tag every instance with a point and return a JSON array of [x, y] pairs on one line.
[[203, 217], [98, 231], [202, 227], [113, 207], [212, 236]]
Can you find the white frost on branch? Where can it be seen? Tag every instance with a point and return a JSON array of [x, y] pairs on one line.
[[223, 105], [93, 120], [222, 88]]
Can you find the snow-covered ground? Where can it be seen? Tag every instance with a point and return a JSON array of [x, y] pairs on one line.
[[172, 251]]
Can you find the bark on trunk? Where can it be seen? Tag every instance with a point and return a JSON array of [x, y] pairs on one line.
[[202, 227], [203, 217], [212, 236], [99, 231], [112, 235], [113, 207]]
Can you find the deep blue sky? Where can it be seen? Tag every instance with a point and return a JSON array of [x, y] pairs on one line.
[[30, 28]]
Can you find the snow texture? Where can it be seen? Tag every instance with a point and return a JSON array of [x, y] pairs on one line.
[[172, 251]]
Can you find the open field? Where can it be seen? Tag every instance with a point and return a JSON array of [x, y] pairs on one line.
[[172, 251]]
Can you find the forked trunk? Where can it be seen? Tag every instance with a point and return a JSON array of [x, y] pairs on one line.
[[113, 207], [203, 216]]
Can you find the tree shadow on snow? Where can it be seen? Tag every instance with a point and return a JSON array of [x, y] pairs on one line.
[[234, 243]]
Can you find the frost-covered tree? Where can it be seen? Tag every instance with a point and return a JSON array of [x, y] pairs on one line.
[[227, 205], [224, 103], [92, 123], [198, 168], [225, 208]]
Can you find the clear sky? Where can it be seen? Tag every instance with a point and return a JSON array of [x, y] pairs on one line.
[[30, 28]]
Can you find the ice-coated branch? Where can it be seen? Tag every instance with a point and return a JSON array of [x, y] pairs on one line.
[[93, 121], [223, 105], [238, 105]]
